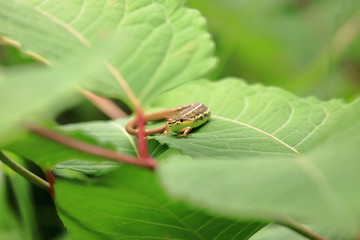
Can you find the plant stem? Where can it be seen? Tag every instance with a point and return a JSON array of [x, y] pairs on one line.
[[89, 148], [24, 172], [300, 229], [107, 106], [142, 143]]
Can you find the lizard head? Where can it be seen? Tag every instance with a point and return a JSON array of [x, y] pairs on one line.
[[177, 124]]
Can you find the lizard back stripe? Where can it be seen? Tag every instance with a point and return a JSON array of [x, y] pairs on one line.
[[192, 111]]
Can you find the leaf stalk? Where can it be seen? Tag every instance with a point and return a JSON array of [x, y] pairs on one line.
[[300, 229], [31, 177], [89, 148]]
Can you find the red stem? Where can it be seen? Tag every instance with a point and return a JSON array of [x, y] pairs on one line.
[[90, 148], [51, 180], [141, 136]]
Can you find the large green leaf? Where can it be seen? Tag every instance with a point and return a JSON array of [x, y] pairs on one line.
[[30, 92], [246, 121], [122, 193], [154, 40], [249, 120], [130, 204], [320, 185]]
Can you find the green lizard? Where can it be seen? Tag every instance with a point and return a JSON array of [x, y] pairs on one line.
[[179, 120]]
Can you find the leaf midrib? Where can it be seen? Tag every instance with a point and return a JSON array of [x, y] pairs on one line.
[[258, 130]]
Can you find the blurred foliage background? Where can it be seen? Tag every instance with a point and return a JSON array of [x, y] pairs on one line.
[[308, 47]]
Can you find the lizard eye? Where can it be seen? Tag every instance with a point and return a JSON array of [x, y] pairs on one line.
[[181, 120]]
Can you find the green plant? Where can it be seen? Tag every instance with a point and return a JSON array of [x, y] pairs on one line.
[[265, 156]]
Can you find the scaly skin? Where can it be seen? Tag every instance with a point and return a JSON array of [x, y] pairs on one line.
[[179, 120]]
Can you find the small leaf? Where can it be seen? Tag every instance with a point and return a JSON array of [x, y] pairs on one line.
[[89, 167]]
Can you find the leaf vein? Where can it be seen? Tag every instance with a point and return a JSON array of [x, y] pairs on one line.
[[66, 26], [259, 130]]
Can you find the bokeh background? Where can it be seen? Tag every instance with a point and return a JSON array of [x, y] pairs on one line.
[[308, 47]]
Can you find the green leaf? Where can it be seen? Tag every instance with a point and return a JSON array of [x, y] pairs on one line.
[[130, 204], [25, 205], [321, 185], [102, 167], [275, 232], [96, 168], [249, 120], [46, 153], [108, 134], [246, 121], [10, 227], [154, 40], [29, 92]]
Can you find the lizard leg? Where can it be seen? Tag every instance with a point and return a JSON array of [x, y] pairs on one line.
[[166, 131], [185, 132]]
